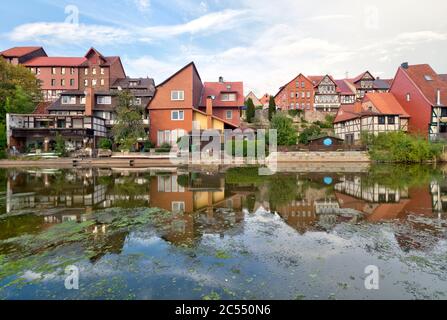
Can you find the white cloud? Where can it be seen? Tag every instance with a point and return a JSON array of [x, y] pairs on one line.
[[143, 5], [66, 33]]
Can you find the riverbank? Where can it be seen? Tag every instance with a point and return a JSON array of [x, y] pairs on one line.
[[135, 161]]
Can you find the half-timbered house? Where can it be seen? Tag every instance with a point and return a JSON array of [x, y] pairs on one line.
[[377, 113]]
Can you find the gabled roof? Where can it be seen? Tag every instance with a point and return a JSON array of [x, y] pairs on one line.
[[386, 104], [55, 62], [282, 87], [344, 87], [348, 112], [427, 81], [217, 88], [215, 117], [93, 50], [18, 52], [361, 76], [316, 80], [254, 98], [179, 71]]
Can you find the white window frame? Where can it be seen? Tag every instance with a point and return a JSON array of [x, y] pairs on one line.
[[228, 97], [86, 71], [93, 70], [86, 82], [408, 97], [62, 70], [179, 112], [94, 82], [68, 100], [178, 206], [102, 82], [102, 71], [104, 100], [180, 95]]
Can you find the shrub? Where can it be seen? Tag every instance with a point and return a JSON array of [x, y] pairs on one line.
[[244, 145], [308, 133], [164, 148], [60, 148], [401, 147], [148, 145], [294, 113], [105, 144], [287, 134]]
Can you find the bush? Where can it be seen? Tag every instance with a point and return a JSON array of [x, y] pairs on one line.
[[60, 148], [148, 145], [294, 113], [105, 144], [308, 133], [238, 144], [401, 147], [164, 148], [287, 134]]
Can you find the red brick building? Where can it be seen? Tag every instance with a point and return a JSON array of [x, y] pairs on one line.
[[181, 99], [297, 94], [58, 74], [423, 95]]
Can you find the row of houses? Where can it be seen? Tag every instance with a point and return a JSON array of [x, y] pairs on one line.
[[81, 96]]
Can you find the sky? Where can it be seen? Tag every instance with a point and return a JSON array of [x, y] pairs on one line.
[[264, 43]]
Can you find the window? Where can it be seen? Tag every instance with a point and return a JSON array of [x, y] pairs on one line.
[[72, 70], [104, 100], [102, 82], [228, 97], [53, 82], [38, 71], [297, 94], [177, 115], [72, 82], [53, 70], [102, 71], [86, 82], [137, 101], [63, 82], [178, 206], [408, 97], [308, 94], [63, 71], [297, 84], [229, 114], [83, 100], [381, 120], [94, 71], [292, 94], [177, 95], [391, 120], [303, 85], [68, 100], [94, 81], [303, 94], [428, 78], [86, 71]]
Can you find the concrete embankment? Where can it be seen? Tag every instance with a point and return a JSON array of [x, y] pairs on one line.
[[299, 159]]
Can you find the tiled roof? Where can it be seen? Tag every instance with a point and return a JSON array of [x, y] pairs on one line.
[[19, 51], [147, 84], [386, 103], [344, 88], [348, 112], [217, 88], [55, 62], [443, 77], [428, 82], [382, 84]]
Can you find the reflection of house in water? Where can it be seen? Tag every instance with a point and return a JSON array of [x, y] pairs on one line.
[[199, 205]]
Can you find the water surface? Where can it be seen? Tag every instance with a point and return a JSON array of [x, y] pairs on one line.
[[223, 235]]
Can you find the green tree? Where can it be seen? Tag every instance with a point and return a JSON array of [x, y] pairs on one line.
[[250, 110], [105, 144], [272, 108], [129, 126], [308, 133], [286, 132], [59, 147], [19, 93]]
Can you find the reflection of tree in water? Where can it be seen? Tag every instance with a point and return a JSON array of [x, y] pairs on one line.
[[127, 191]]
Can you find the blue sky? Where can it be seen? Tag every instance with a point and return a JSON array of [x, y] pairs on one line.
[[261, 42]]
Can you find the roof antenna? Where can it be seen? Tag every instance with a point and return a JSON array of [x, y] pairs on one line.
[[347, 74]]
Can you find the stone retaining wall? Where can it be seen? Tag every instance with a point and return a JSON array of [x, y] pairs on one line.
[[308, 156]]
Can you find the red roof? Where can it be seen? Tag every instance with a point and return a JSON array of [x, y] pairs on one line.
[[55, 62], [386, 103], [317, 79], [348, 112], [344, 88], [19, 51], [428, 82], [217, 88]]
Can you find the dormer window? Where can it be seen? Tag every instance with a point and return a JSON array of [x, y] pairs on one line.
[[408, 97], [104, 100], [428, 78], [68, 100], [228, 97]]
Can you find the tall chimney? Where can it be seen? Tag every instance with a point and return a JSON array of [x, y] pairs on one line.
[[438, 97], [405, 65], [89, 101], [209, 111], [221, 79]]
